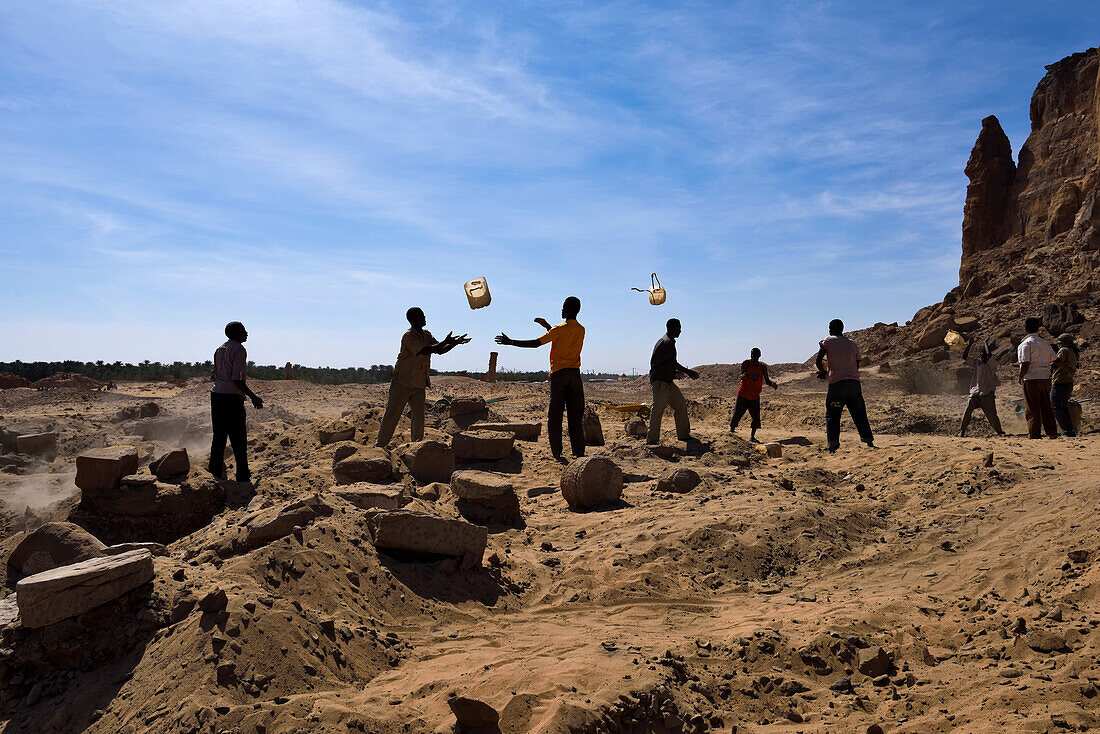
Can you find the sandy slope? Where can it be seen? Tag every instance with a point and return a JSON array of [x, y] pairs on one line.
[[736, 605]]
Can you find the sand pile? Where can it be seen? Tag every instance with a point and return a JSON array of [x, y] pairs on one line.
[[8, 381], [68, 380]]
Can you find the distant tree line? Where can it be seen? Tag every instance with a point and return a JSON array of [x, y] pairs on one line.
[[155, 371]]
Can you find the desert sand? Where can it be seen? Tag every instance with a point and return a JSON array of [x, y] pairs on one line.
[[750, 603]]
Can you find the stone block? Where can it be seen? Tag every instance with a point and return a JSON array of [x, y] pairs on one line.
[[593, 429], [428, 461], [522, 431], [336, 435], [104, 468], [37, 444], [679, 481], [368, 496], [773, 450], [417, 532], [592, 482], [485, 497], [137, 480], [277, 522], [371, 465], [67, 591], [483, 445], [467, 406]]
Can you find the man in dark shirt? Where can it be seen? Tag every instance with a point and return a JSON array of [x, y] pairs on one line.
[[663, 370], [227, 403]]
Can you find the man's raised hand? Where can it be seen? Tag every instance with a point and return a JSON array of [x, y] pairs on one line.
[[503, 338], [543, 323]]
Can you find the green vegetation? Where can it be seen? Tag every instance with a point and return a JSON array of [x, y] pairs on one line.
[[155, 371]]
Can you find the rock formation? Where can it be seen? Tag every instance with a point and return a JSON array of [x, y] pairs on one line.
[[1030, 229], [1049, 199], [991, 172]]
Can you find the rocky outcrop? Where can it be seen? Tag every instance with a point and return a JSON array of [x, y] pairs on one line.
[[1049, 199], [1030, 228], [991, 172]]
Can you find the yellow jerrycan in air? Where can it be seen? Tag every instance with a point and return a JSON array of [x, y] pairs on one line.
[[656, 291], [477, 293], [954, 340]]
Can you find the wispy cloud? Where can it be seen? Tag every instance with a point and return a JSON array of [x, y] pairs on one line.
[[311, 158]]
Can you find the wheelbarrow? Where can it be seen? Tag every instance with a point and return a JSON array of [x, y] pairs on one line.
[[641, 409]]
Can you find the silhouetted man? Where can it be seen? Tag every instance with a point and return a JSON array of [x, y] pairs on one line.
[[227, 403], [754, 375], [845, 390], [663, 370], [566, 389], [1035, 355], [410, 381]]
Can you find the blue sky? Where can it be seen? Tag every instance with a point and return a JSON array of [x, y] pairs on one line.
[[314, 168]]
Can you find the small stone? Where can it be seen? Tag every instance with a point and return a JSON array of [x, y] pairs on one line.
[[841, 685], [1078, 556], [215, 601], [172, 464], [773, 450], [679, 481], [1045, 641], [874, 661]]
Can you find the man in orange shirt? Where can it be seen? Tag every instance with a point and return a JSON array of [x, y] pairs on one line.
[[754, 375], [566, 388]]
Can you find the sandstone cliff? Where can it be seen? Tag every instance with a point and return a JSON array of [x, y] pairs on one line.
[[1030, 230]]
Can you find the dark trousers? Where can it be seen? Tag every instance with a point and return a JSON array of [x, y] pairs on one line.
[[740, 407], [1038, 412], [845, 394], [227, 418], [988, 404], [566, 395], [1059, 403]]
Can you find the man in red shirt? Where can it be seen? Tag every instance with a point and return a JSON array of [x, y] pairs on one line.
[[754, 375]]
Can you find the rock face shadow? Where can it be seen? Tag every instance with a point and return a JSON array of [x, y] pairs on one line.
[[427, 577], [512, 464], [89, 646]]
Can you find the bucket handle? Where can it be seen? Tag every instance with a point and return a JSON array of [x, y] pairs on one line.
[[654, 284]]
